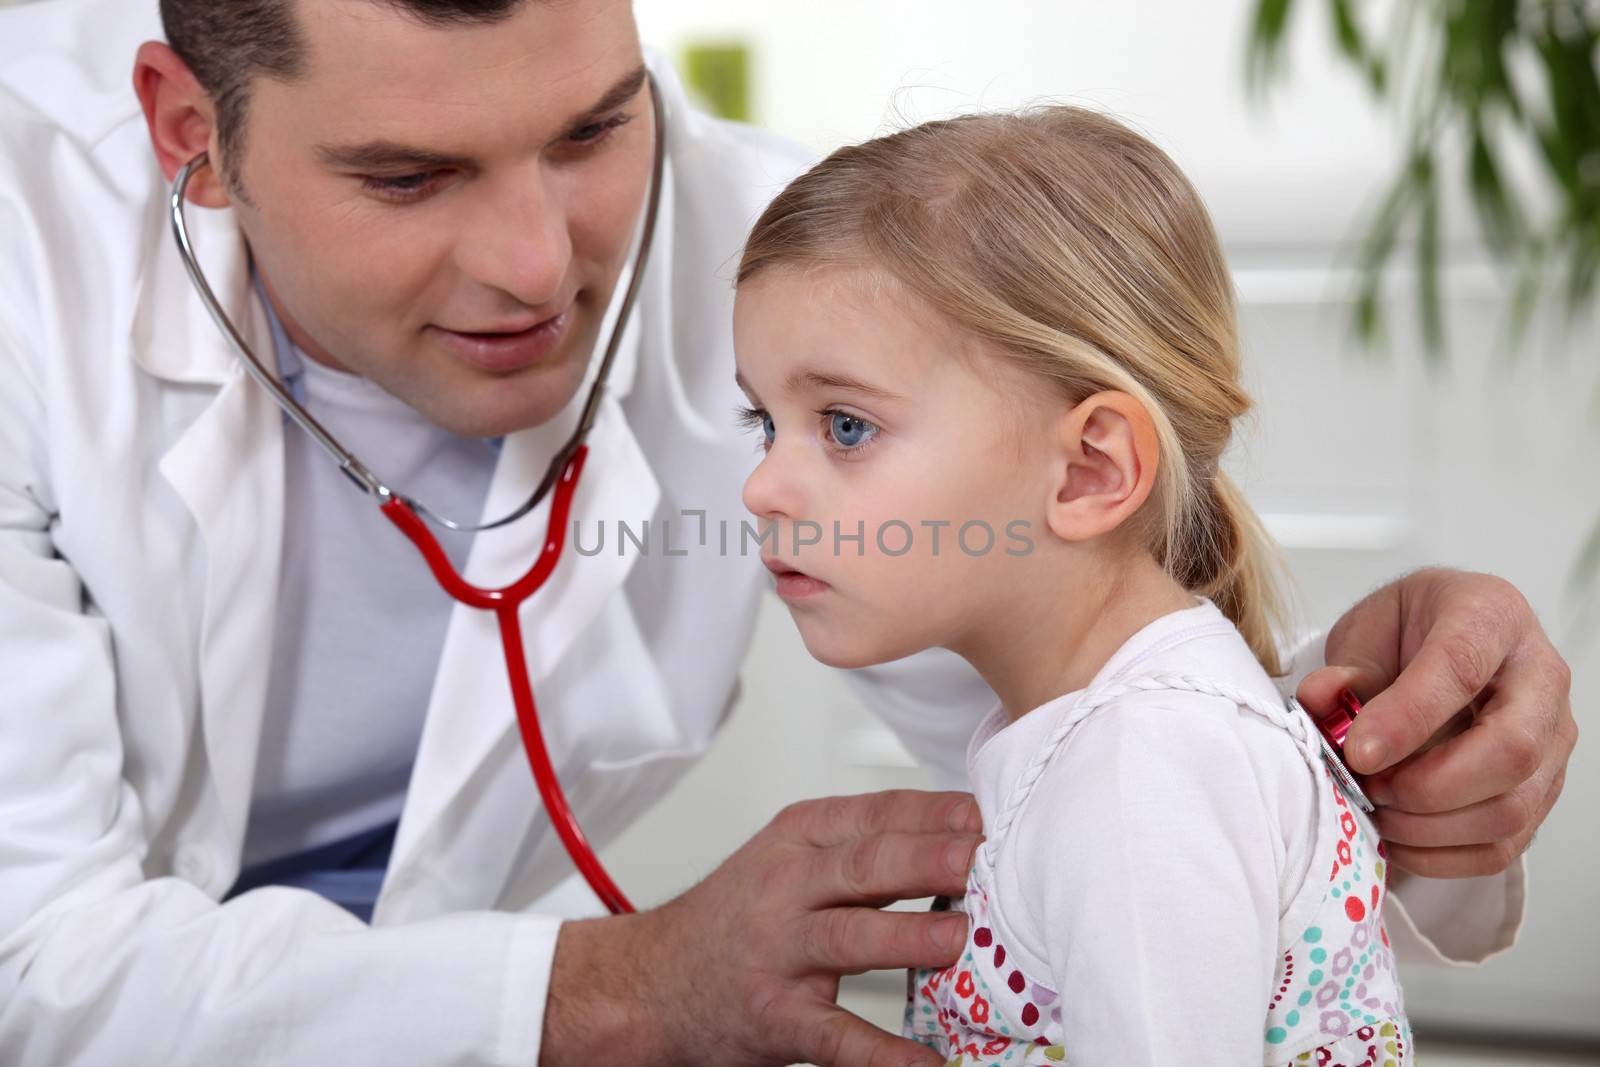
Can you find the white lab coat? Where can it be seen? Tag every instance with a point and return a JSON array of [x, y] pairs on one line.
[[141, 510]]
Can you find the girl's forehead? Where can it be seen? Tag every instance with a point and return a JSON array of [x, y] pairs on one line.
[[842, 313]]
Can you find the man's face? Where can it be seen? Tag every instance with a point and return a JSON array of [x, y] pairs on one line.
[[445, 211]]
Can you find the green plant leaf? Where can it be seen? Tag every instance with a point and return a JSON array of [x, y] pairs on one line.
[[1266, 40], [1428, 242]]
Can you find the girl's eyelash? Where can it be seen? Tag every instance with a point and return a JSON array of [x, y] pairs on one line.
[[749, 418]]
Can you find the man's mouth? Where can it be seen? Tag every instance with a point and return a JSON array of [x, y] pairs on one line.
[[507, 347], [793, 584]]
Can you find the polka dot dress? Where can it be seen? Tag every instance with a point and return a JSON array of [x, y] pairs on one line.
[[1336, 997]]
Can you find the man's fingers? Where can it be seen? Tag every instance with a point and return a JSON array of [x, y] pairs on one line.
[[829, 1036], [1492, 757], [1465, 861], [892, 866], [854, 940], [1436, 859], [1318, 692], [1505, 817], [1459, 655], [835, 820]]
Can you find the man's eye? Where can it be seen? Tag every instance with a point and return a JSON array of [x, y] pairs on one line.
[[402, 187], [597, 131]]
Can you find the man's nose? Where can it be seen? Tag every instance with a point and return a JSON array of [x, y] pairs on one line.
[[520, 243]]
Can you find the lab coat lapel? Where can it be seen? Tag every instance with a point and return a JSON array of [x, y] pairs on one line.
[[227, 467], [471, 710]]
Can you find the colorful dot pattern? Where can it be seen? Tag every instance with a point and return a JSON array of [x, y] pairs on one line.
[[1336, 998]]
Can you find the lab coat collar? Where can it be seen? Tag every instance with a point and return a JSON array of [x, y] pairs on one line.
[[227, 468], [174, 338]]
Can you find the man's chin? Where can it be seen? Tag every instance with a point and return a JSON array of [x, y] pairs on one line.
[[470, 404], [493, 420]]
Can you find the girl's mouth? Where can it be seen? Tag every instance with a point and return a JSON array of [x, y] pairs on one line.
[[793, 584]]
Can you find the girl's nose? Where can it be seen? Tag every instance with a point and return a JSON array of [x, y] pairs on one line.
[[771, 491]]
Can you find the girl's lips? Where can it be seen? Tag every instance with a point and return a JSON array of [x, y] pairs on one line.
[[792, 584], [507, 352]]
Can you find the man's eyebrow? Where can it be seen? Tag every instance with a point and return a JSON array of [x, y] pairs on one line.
[[626, 89], [385, 155]]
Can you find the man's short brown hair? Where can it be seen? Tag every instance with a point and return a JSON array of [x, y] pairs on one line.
[[228, 43]]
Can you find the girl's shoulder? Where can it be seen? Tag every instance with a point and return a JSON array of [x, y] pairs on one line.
[[1170, 776]]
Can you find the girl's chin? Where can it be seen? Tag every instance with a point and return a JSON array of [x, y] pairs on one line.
[[850, 651]]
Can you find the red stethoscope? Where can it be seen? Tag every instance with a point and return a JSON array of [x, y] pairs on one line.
[[559, 483]]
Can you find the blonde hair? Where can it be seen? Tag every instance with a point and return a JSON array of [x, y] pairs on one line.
[[1076, 247]]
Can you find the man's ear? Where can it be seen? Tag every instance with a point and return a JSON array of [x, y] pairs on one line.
[[1106, 466], [181, 119]]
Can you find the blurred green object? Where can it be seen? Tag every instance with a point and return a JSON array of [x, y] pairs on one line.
[[1475, 81], [720, 73]]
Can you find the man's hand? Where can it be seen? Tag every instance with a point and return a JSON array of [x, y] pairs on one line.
[[744, 968], [1468, 717]]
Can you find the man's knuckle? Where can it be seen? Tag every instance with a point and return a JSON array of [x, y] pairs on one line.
[[1500, 855], [826, 1044], [1508, 815], [833, 936], [877, 811], [1467, 663], [793, 816], [1411, 794], [1523, 754], [861, 863], [1495, 590], [765, 1007], [1560, 673]]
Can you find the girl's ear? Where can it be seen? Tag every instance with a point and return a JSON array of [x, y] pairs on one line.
[[1106, 466]]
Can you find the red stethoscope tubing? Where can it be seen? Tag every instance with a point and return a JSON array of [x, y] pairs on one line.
[[504, 603]]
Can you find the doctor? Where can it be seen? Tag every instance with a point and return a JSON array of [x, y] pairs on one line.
[[220, 668]]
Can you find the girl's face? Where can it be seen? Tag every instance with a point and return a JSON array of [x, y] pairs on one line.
[[906, 470]]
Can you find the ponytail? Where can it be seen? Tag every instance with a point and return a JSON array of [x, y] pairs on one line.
[[1233, 561]]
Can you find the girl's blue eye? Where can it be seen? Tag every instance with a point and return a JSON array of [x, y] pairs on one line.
[[768, 431], [849, 431]]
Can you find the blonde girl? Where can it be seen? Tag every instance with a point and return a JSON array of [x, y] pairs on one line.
[[994, 363]]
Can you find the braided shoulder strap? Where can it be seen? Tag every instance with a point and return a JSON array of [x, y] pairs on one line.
[[1294, 720]]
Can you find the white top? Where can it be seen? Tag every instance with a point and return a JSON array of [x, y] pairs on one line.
[[360, 619], [1154, 884]]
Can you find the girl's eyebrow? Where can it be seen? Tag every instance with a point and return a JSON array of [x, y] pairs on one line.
[[811, 379], [801, 380]]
